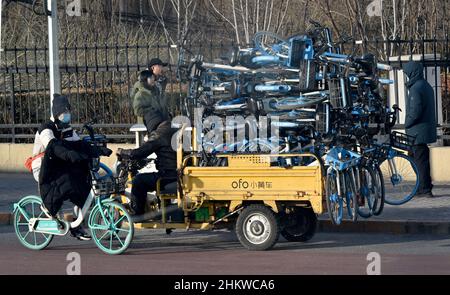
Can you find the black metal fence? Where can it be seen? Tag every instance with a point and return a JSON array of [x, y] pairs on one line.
[[99, 77]]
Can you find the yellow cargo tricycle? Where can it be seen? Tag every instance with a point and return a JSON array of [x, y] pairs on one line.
[[251, 193]]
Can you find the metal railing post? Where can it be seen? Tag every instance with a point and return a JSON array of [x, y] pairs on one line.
[[13, 111], [53, 50]]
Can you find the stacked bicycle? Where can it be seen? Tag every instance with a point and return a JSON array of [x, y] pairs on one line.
[[324, 102]]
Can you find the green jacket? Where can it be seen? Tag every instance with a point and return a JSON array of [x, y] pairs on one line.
[[145, 99]]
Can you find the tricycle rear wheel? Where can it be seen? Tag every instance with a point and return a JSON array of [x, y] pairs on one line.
[[257, 228], [299, 225]]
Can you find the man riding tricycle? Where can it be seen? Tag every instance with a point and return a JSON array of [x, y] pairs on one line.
[[252, 193]]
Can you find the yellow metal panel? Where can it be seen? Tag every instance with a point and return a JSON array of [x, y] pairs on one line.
[[251, 178], [246, 161], [272, 205], [234, 205]]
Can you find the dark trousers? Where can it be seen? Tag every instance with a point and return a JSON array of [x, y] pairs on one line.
[[143, 183], [421, 156]]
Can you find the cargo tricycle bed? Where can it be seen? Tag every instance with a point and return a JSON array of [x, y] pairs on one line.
[[252, 193]]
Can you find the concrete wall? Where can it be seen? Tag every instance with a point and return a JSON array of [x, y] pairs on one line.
[[13, 156], [440, 164]]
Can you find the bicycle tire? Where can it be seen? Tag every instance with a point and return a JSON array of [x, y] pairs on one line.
[[351, 197], [395, 193], [369, 191], [333, 199], [381, 191], [35, 244]]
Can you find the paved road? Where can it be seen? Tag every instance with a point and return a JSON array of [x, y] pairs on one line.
[[15, 186], [202, 253]]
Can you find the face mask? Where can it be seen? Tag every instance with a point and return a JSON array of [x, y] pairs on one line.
[[65, 118]]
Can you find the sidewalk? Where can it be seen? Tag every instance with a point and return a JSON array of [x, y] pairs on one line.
[[420, 215]]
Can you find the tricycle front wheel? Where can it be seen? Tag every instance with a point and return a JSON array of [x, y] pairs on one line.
[[257, 228]]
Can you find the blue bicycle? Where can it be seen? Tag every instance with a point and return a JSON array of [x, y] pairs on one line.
[[400, 173]]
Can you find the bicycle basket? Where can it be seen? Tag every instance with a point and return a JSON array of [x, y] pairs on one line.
[[342, 159], [338, 97], [322, 119], [103, 187], [402, 141]]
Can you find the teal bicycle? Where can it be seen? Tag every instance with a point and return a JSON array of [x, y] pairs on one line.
[[110, 224]]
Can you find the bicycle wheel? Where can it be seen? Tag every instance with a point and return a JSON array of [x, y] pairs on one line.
[[334, 200], [30, 239], [379, 205], [368, 192], [350, 195], [106, 229], [401, 179]]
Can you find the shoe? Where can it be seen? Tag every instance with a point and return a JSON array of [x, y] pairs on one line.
[[129, 209], [80, 234]]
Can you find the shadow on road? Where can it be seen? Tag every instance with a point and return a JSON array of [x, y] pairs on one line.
[[152, 242]]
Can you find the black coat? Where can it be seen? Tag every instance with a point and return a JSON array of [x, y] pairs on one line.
[[420, 106], [64, 173], [159, 142]]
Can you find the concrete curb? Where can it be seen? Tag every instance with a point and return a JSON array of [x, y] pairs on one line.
[[387, 226], [361, 226]]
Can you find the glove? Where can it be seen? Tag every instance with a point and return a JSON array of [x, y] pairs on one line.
[[76, 157], [105, 151], [124, 154]]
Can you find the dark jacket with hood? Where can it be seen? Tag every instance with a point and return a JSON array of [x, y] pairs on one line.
[[64, 173], [420, 106], [159, 142]]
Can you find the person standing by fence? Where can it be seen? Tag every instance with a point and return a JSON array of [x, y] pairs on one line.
[[156, 66], [149, 102], [421, 123]]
